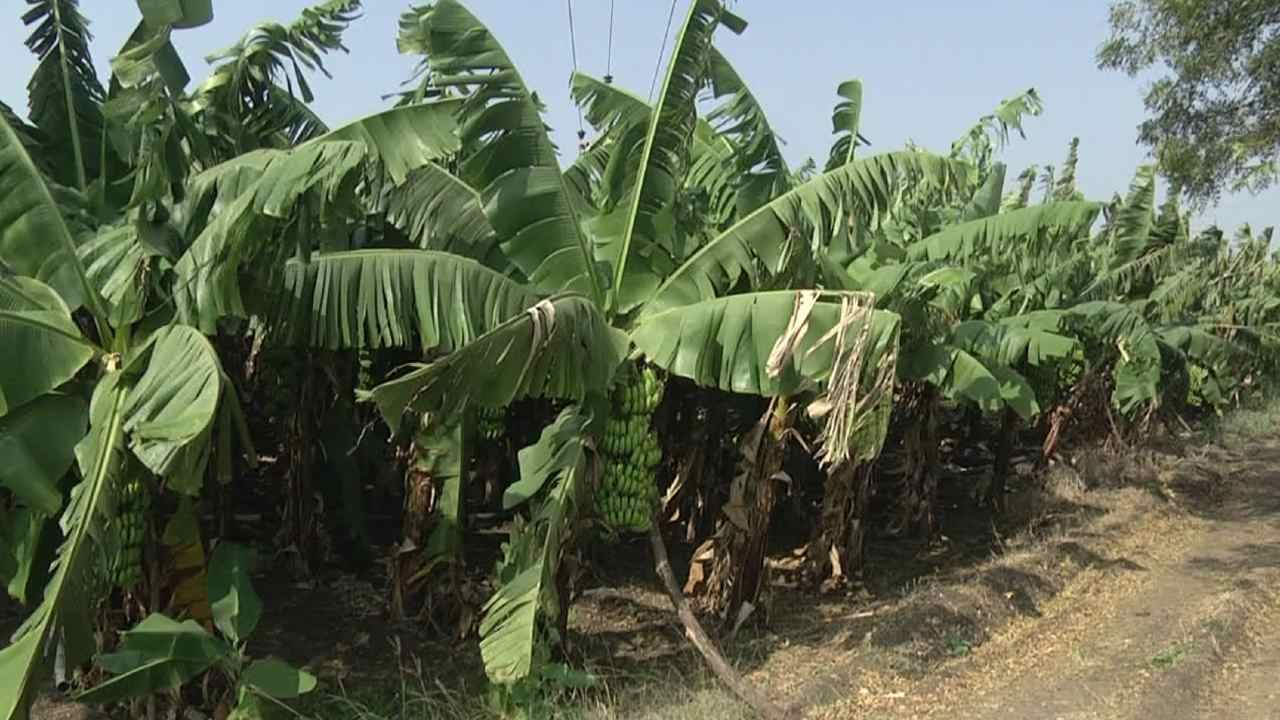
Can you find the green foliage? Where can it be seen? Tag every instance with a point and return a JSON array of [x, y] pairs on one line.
[[507, 155], [1215, 89], [65, 94], [161, 654], [244, 97], [510, 631]]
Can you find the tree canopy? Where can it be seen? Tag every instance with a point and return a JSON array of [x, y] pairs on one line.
[[1214, 107]]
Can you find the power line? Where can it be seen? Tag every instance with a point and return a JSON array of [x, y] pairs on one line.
[[573, 53], [667, 33], [608, 60]]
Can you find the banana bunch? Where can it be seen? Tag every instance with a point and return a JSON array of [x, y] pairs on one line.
[[627, 489], [492, 423], [128, 534]]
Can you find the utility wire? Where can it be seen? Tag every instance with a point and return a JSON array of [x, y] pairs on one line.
[[573, 53], [608, 59], [667, 33]]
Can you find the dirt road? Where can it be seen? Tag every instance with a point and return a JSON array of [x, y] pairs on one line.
[[1189, 630]]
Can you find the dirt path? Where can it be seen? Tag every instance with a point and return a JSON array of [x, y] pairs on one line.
[[1188, 628]]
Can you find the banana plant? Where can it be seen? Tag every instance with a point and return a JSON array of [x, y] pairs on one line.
[[147, 391], [106, 392], [562, 308], [160, 653]]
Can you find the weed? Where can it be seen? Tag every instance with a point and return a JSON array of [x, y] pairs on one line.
[[1170, 656], [957, 646]]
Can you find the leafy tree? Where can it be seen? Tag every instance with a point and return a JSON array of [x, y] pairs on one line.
[[1215, 103]]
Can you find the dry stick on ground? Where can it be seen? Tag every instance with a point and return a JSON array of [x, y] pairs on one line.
[[740, 686]]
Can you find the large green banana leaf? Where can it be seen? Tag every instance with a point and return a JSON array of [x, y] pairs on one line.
[[758, 150], [156, 654], [438, 211], [727, 342], [1137, 371], [509, 626], [1131, 228], [63, 620], [65, 94], [561, 348], [663, 151], [397, 298], [37, 447], [600, 176], [43, 348], [604, 177], [507, 153], [251, 95], [961, 374], [1012, 341], [846, 119], [170, 409], [34, 239], [753, 247], [261, 191], [1026, 232]]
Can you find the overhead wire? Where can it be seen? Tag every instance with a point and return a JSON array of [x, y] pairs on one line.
[[608, 58], [663, 51], [573, 54]]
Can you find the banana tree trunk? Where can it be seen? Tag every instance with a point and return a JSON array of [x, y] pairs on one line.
[[298, 529], [836, 552], [432, 521], [729, 569], [918, 506], [1004, 451], [694, 436]]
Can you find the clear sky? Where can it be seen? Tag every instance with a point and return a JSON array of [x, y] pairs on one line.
[[929, 69]]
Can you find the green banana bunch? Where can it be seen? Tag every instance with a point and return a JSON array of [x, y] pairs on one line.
[[128, 534], [627, 489]]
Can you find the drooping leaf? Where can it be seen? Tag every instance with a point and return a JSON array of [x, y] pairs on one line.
[[406, 138], [116, 261], [43, 348], [510, 624], [255, 83], [757, 148], [1009, 343], [37, 447], [62, 619], [155, 655], [170, 410], [34, 239], [726, 342], [560, 347], [989, 385], [438, 211], [259, 192], [753, 247], [398, 298]]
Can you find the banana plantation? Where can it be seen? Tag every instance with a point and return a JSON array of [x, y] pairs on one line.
[[392, 340]]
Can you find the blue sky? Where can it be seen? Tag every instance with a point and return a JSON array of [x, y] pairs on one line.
[[929, 69]]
